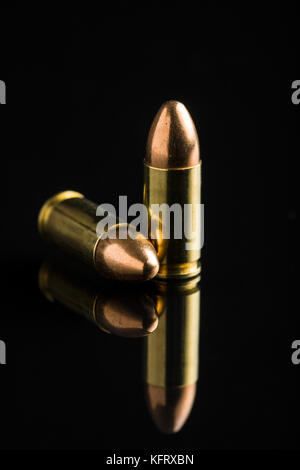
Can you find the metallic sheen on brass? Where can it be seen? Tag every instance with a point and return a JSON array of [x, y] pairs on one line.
[[171, 354], [131, 314], [173, 175], [69, 221]]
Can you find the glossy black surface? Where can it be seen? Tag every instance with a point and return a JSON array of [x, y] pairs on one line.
[[83, 90]]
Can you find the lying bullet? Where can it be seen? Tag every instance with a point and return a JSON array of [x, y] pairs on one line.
[[121, 312], [69, 221], [171, 354], [172, 176]]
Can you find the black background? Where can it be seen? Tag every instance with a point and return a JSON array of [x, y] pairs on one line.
[[82, 90]]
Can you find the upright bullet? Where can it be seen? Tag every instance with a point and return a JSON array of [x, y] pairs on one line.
[[69, 221], [172, 176], [171, 354], [123, 312]]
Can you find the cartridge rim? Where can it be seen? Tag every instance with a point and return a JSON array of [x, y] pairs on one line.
[[49, 205], [179, 271]]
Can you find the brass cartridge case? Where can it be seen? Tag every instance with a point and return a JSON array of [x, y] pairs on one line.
[[172, 354], [170, 187], [69, 221], [172, 175]]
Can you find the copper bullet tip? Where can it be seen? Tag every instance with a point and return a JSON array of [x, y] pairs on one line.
[[172, 141], [126, 259], [170, 407]]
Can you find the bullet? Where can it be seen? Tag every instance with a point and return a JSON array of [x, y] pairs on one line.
[[172, 175], [127, 313], [171, 354], [69, 221]]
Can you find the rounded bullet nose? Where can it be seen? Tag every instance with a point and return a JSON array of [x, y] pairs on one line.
[[170, 407], [130, 316], [172, 141], [126, 257], [151, 265]]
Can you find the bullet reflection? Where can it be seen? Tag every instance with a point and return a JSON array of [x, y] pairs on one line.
[[166, 313], [122, 311], [171, 354]]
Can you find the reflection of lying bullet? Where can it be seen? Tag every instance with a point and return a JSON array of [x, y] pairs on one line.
[[69, 221], [171, 355], [172, 180], [124, 313]]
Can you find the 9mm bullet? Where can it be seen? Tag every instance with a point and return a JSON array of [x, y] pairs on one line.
[[69, 221], [172, 175]]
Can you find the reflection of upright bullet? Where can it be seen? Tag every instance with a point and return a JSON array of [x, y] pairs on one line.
[[171, 354], [69, 220], [172, 176], [118, 311]]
